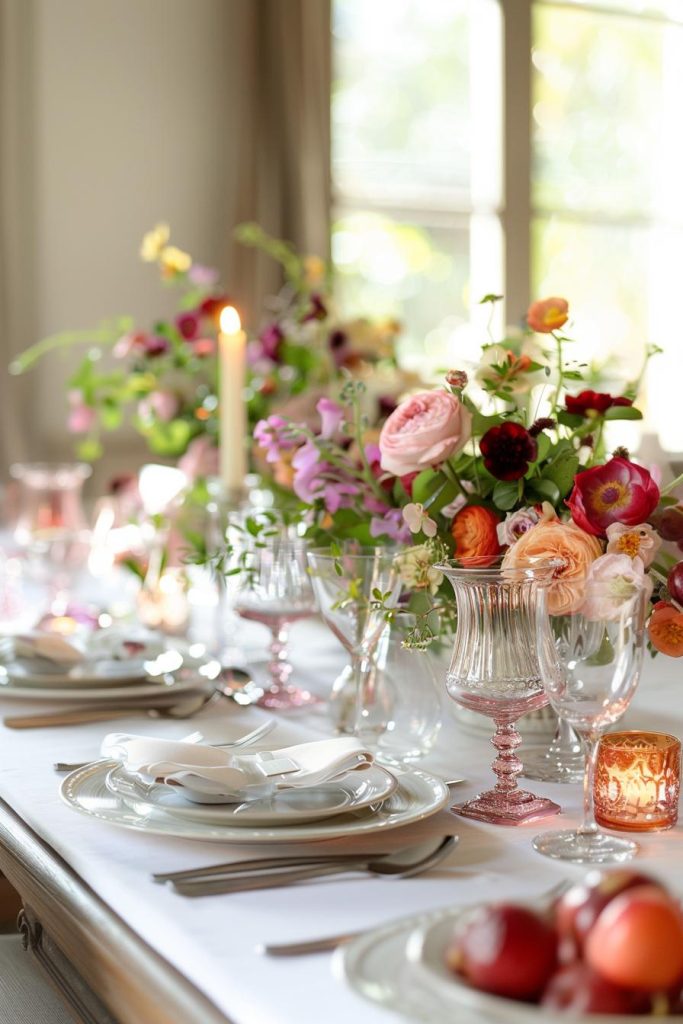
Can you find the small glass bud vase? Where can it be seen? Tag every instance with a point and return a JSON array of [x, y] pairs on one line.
[[400, 701], [163, 602]]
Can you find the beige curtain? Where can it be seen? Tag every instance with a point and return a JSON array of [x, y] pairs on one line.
[[284, 141], [17, 211]]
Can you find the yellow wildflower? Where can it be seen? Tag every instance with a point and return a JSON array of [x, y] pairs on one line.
[[153, 242], [174, 261]]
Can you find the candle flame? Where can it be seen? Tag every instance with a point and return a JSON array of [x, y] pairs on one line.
[[230, 320]]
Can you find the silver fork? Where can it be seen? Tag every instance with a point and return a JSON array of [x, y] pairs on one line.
[[242, 741], [330, 942]]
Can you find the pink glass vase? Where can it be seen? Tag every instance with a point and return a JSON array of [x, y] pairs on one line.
[[494, 670]]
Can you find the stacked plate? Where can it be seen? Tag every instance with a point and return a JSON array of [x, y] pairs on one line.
[[356, 803], [104, 666]]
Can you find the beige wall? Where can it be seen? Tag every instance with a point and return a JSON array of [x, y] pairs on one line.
[[128, 110]]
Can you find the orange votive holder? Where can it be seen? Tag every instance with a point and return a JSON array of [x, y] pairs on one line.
[[637, 781]]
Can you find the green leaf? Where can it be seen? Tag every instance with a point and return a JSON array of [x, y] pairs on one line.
[[90, 449], [505, 495], [544, 445], [111, 417], [562, 470], [481, 423], [546, 489], [170, 439], [569, 419], [490, 298], [426, 484], [623, 412], [442, 498]]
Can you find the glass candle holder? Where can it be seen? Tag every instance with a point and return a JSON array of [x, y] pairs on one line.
[[637, 781]]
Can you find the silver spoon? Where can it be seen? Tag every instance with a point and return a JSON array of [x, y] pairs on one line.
[[237, 684], [393, 866], [195, 737]]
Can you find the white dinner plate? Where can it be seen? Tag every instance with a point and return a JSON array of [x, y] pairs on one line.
[[181, 666], [425, 951], [416, 796], [28, 673], [284, 807]]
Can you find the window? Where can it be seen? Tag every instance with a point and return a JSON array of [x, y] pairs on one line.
[[594, 205]]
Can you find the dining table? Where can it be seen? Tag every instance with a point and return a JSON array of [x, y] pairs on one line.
[[122, 947]]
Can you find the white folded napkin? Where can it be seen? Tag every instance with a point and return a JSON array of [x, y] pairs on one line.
[[235, 776], [50, 647]]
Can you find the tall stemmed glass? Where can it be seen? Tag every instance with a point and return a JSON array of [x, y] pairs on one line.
[[494, 670], [591, 660], [562, 761], [345, 585], [274, 588]]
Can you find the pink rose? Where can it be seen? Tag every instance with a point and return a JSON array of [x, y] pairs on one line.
[[424, 431], [82, 417], [200, 459]]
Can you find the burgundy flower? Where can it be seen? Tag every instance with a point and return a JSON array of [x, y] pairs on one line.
[[508, 450], [156, 345], [188, 325], [338, 344], [597, 401], [317, 310], [271, 338], [212, 306], [618, 492], [541, 424]]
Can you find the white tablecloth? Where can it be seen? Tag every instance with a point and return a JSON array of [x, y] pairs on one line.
[[212, 941]]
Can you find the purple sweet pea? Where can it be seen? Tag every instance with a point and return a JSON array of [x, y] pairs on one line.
[[204, 277], [308, 468], [392, 525], [272, 435], [338, 494], [188, 325], [331, 416]]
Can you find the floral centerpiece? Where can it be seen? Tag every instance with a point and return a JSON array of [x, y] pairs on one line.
[[509, 462], [163, 380]]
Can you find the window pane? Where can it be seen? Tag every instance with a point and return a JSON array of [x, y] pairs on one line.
[[619, 281], [604, 91], [400, 107], [655, 8], [391, 267]]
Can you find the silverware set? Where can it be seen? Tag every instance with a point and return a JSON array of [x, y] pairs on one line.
[[275, 872]]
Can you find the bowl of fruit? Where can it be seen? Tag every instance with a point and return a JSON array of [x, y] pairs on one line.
[[611, 945]]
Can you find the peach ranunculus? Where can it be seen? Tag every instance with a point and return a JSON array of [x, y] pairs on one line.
[[424, 431], [666, 630], [475, 534], [570, 545], [635, 541], [547, 315]]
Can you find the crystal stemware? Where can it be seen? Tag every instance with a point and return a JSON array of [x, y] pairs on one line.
[[494, 670], [591, 658], [274, 588], [562, 761], [51, 527], [344, 585]]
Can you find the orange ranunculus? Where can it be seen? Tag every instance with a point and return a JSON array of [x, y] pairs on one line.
[[566, 542], [547, 315], [474, 532], [666, 630]]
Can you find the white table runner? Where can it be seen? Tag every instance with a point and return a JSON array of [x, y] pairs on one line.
[[212, 941]]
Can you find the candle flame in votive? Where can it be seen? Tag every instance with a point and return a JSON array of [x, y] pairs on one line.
[[230, 320]]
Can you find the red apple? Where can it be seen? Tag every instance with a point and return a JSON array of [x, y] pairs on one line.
[[577, 911], [637, 941], [577, 989], [507, 950]]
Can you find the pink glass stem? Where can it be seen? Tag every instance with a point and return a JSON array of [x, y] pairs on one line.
[[507, 765], [279, 666]]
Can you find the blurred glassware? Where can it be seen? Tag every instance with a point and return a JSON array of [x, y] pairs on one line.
[[344, 585], [51, 527], [562, 761], [273, 588], [400, 696], [163, 601], [495, 670], [591, 661]]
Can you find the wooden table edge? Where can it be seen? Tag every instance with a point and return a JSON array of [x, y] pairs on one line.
[[71, 929]]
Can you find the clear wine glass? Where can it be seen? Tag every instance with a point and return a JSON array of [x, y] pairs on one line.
[[562, 761], [591, 660], [274, 588], [344, 585]]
